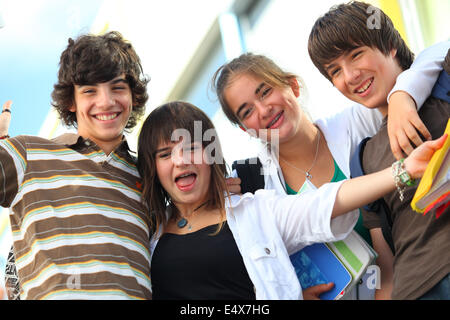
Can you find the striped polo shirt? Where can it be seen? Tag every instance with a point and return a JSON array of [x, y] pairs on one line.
[[79, 227]]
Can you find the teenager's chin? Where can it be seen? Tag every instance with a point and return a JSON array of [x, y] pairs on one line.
[[373, 103]]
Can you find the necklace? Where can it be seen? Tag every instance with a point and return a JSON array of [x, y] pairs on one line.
[[307, 172], [183, 221]]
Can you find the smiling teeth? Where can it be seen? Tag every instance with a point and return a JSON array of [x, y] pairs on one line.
[[274, 120], [104, 117], [365, 87]]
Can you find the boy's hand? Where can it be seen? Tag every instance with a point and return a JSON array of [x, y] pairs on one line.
[[234, 185], [403, 121], [5, 118]]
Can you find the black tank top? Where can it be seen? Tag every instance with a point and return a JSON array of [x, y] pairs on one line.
[[199, 265]]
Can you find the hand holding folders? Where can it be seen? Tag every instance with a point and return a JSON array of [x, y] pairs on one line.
[[434, 187]]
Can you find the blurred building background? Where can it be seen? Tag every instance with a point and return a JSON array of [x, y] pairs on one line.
[[181, 44]]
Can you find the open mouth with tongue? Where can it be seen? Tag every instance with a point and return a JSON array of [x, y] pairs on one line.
[[186, 181]]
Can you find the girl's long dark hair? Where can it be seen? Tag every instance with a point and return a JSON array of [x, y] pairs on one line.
[[157, 129]]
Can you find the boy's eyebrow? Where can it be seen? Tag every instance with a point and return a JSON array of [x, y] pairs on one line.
[[330, 66], [118, 80], [114, 81], [344, 54], [85, 85], [258, 89]]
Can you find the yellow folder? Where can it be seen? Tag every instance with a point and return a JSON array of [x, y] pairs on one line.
[[434, 187]]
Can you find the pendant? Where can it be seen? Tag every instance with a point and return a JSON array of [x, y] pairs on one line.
[[182, 223], [308, 175]]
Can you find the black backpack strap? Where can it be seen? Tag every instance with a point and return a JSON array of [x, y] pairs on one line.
[[249, 171], [379, 206]]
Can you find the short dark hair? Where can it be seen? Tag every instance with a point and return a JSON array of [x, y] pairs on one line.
[[157, 129], [345, 27], [94, 59]]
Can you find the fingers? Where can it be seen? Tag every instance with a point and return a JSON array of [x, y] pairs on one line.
[[395, 148], [404, 144], [232, 181], [420, 126], [405, 139], [321, 288], [411, 132], [438, 143], [7, 105], [412, 136], [404, 125], [5, 118], [417, 162], [234, 185], [432, 146], [313, 293]]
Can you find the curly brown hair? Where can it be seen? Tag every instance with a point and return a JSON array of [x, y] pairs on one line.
[[94, 59]]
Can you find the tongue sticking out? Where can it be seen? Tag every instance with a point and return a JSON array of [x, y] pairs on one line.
[[185, 181]]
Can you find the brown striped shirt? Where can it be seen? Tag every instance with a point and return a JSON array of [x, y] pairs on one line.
[[79, 228]]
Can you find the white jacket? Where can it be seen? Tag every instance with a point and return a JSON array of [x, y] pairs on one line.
[[268, 227]]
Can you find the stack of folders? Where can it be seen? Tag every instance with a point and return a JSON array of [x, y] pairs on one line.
[[343, 262], [434, 187]]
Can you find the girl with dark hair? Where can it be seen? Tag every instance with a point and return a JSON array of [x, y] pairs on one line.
[[209, 244]]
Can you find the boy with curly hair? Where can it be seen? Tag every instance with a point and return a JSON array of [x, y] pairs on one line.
[[79, 228]]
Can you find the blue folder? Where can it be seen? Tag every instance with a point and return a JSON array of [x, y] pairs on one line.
[[317, 264]]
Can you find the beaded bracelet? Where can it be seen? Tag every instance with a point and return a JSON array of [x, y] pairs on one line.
[[4, 137], [401, 177]]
